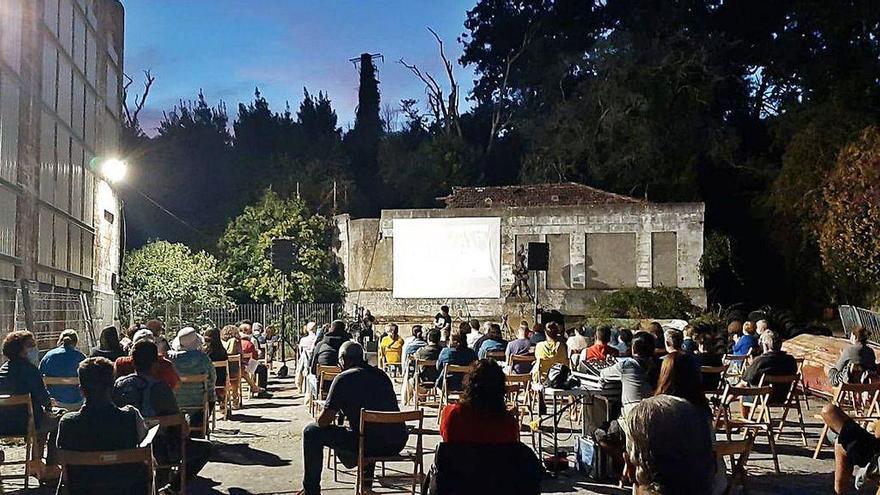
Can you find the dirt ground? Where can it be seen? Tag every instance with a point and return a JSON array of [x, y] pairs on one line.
[[259, 452]]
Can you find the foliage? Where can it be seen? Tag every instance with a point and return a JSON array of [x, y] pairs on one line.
[[720, 267], [163, 275], [248, 236], [659, 303], [849, 237]]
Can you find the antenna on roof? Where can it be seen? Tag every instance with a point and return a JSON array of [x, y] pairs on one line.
[[356, 61]]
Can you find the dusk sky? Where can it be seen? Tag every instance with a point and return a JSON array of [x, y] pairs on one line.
[[229, 47]]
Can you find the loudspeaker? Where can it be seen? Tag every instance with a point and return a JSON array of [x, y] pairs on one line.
[[283, 254], [539, 256]]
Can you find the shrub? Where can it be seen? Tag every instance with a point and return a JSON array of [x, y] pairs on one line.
[[660, 303]]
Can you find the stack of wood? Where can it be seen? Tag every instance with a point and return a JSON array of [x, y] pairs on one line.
[[819, 353]]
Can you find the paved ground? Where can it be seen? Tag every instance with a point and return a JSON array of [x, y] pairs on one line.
[[259, 452]]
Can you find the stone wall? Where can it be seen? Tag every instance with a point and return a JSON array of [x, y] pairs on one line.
[[609, 247]]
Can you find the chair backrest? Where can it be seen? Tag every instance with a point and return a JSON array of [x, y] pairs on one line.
[[733, 392], [476, 468], [424, 364], [106, 457], [714, 370], [782, 385], [20, 401], [61, 380], [197, 379], [496, 355], [861, 398], [233, 362], [389, 417], [224, 365], [455, 368]]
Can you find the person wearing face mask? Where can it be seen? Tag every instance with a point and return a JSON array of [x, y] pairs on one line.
[[19, 375]]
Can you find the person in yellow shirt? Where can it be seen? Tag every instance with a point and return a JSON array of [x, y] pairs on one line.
[[551, 351], [391, 347]]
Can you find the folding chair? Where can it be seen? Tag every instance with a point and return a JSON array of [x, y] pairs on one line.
[[189, 410], [28, 435], [225, 404], [742, 449], [513, 360], [518, 397], [720, 372], [788, 384], [245, 358], [447, 395], [166, 423], [859, 401], [498, 356], [72, 381], [415, 455], [801, 389], [735, 365], [325, 374], [141, 455], [234, 363], [422, 391], [759, 397]]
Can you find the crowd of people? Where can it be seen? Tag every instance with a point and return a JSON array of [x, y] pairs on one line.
[[127, 383]]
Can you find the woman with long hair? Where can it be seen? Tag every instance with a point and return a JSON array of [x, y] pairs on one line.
[[108, 345], [679, 376], [458, 353], [481, 415], [213, 347]]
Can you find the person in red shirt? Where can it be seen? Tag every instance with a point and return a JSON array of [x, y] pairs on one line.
[[600, 350], [481, 416], [163, 370]]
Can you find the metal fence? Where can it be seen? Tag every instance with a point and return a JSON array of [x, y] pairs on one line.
[[46, 314], [852, 316]]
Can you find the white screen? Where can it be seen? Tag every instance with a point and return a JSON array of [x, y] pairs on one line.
[[447, 257]]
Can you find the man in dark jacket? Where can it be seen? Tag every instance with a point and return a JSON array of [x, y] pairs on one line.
[[326, 352], [773, 361]]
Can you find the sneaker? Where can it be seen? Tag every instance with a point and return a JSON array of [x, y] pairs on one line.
[[263, 395], [864, 473]]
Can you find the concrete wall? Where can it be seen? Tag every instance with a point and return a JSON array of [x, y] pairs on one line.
[[609, 247]]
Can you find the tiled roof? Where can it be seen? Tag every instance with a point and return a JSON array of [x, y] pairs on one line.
[[561, 194]]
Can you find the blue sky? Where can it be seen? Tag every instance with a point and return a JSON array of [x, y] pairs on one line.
[[229, 47]]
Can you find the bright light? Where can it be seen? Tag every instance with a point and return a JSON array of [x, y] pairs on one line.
[[114, 169]]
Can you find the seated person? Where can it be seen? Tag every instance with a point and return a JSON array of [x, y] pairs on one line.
[[359, 386], [538, 335], [600, 350], [164, 369], [690, 344], [549, 352], [680, 378], [637, 375], [414, 343], [326, 353], [391, 346], [656, 330], [189, 359], [706, 356], [458, 353], [577, 341], [108, 345], [63, 361], [430, 352], [624, 342], [19, 376], [481, 415], [857, 353], [747, 344], [476, 335], [669, 447], [773, 361], [154, 398], [494, 342], [854, 446], [520, 347], [101, 426], [259, 379]]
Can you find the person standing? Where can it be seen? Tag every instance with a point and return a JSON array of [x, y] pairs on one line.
[[62, 362], [443, 321]]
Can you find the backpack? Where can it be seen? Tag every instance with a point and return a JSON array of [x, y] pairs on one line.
[[136, 391]]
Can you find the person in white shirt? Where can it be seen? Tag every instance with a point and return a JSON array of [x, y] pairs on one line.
[[306, 347], [474, 336]]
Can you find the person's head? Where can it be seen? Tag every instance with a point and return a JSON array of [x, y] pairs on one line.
[[156, 327], [522, 330], [735, 327], [145, 354], [163, 346], [417, 331], [603, 334], [581, 330], [338, 327], [257, 328], [679, 377], [484, 387], [109, 339], [643, 345], [464, 328], [761, 326], [245, 329], [859, 335], [188, 339], [494, 332], [309, 328], [673, 339], [484, 328], [625, 336], [132, 329], [669, 446], [96, 378], [392, 330], [748, 328], [538, 328], [434, 336], [351, 354], [458, 339], [770, 341], [143, 335], [444, 309], [656, 330], [20, 345], [68, 338], [553, 332], [229, 332], [705, 343], [474, 324], [212, 339], [688, 331]]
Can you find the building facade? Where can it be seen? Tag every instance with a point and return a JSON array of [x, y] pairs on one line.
[[599, 242], [60, 116]]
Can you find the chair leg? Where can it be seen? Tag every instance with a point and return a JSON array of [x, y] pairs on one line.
[[821, 442], [773, 449], [800, 414]]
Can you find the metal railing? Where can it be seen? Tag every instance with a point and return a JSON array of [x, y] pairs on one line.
[[852, 316], [46, 314]]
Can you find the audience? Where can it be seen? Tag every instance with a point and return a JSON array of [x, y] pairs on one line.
[[761, 326], [305, 350], [391, 346], [773, 361], [475, 334], [156, 326], [680, 378], [326, 353], [538, 334], [481, 415], [430, 352], [600, 350], [458, 353], [259, 379], [163, 370], [189, 359], [747, 344], [520, 347], [854, 446], [108, 345], [624, 342], [99, 426], [360, 386], [549, 352], [493, 342], [670, 447], [63, 361], [19, 376], [577, 341], [637, 375], [857, 354], [154, 398]]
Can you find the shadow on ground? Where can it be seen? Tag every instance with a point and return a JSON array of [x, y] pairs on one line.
[[242, 454]]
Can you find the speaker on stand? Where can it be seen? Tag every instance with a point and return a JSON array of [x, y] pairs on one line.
[[538, 260], [284, 255]]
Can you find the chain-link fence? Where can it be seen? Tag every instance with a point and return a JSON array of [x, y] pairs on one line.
[[46, 314]]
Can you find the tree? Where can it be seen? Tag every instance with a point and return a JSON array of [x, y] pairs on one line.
[[849, 237], [363, 140], [162, 277], [243, 246]]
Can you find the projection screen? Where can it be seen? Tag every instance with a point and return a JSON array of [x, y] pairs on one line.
[[447, 257]]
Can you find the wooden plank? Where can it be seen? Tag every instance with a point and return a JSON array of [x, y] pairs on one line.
[[820, 353]]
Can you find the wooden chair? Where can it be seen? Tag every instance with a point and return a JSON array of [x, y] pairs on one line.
[[423, 391], [325, 374], [166, 423], [574, 358], [414, 456], [224, 405], [788, 384], [29, 436], [446, 395], [759, 397], [514, 360], [69, 381], [859, 401], [141, 455], [517, 394], [741, 449], [720, 372], [801, 390], [245, 358], [233, 362], [498, 356], [190, 410]]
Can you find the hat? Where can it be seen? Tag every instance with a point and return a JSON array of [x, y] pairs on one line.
[[310, 326], [257, 327], [188, 339], [143, 334], [675, 325]]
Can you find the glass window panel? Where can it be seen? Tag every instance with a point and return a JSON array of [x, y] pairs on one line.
[[10, 34], [61, 249], [50, 15], [91, 60], [9, 103], [75, 243], [78, 106], [62, 185], [89, 197], [44, 240], [65, 25], [76, 180], [112, 89], [79, 41], [47, 158], [89, 126], [64, 89], [50, 73], [7, 221]]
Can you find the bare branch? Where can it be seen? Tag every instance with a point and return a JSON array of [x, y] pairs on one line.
[[139, 100], [502, 91]]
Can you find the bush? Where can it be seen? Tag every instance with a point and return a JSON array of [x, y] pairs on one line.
[[659, 303]]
